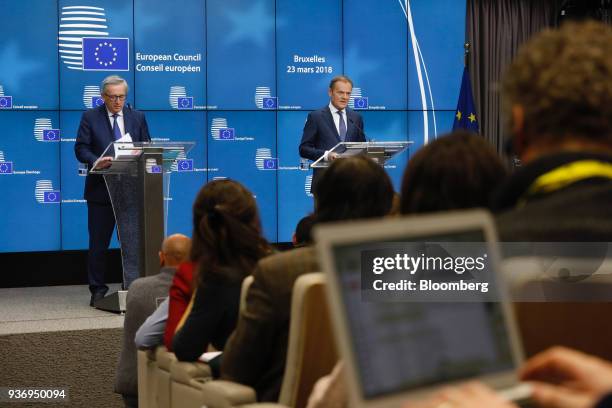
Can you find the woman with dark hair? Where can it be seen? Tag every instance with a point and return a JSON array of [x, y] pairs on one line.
[[227, 243], [456, 171]]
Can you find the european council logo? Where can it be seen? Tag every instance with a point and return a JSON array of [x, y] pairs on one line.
[[308, 186], [6, 167], [75, 23], [45, 193], [264, 99], [6, 102], [357, 100], [178, 98], [220, 131], [44, 132], [91, 96], [106, 54], [264, 159]]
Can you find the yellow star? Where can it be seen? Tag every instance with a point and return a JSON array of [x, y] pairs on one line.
[[458, 115], [472, 117]]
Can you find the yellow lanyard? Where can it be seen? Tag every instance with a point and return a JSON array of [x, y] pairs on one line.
[[568, 174]]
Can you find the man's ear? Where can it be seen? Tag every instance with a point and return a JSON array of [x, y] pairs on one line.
[[518, 129], [162, 258], [329, 92]]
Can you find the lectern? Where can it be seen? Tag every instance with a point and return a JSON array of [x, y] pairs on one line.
[[137, 182], [380, 152]]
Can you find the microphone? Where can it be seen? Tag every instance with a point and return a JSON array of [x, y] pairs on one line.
[[359, 129]]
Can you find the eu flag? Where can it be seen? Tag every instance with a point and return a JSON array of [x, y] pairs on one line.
[[106, 54], [465, 115]]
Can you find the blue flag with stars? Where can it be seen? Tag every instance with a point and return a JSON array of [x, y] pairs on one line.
[[465, 115]]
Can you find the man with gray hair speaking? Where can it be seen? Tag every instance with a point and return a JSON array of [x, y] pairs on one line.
[[99, 127]]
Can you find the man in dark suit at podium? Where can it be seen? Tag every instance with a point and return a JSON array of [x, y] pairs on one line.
[[331, 125], [99, 127]]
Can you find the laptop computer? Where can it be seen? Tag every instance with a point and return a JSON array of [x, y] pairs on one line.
[[399, 347]]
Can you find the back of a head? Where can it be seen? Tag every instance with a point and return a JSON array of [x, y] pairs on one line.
[[176, 249], [562, 79], [456, 171], [303, 231], [353, 188], [227, 240]]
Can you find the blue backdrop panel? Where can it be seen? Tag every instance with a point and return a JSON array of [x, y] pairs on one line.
[[74, 207], [440, 35], [105, 19], [244, 158], [307, 57], [28, 54], [416, 130], [375, 49], [186, 181], [236, 56], [30, 183], [389, 127], [169, 60], [241, 49], [294, 198]]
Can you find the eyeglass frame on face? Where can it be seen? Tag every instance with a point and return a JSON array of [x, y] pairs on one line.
[[115, 98]]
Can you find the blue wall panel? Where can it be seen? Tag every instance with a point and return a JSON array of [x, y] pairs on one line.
[[197, 66]]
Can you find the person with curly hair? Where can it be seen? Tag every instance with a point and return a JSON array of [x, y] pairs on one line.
[[557, 95]]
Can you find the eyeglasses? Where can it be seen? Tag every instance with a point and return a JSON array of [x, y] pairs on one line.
[[115, 98]]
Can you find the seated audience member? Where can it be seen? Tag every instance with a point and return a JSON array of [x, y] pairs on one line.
[[456, 171], [142, 299], [558, 96], [560, 378], [151, 333], [179, 297], [255, 354], [302, 235], [227, 243]]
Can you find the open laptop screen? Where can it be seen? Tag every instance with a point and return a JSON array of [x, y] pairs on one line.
[[401, 346]]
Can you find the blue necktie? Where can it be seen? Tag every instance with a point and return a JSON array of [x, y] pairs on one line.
[[342, 126], [116, 130]]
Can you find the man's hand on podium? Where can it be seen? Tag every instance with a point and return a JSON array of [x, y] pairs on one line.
[[332, 156], [103, 162]]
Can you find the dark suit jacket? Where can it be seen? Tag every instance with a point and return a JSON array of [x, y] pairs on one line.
[[256, 352], [320, 133], [95, 134]]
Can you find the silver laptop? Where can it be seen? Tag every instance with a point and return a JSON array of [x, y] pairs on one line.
[[398, 349]]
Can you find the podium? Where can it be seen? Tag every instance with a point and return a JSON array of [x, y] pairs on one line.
[[380, 152], [138, 181]]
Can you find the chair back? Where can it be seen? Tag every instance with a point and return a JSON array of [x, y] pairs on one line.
[[311, 352], [562, 301]]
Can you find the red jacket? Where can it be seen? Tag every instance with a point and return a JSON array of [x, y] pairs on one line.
[[180, 295]]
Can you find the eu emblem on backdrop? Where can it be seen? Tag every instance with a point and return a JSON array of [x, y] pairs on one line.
[[6, 102], [227, 134], [51, 135], [270, 164], [269, 102], [97, 101], [51, 196], [185, 102], [6, 167], [465, 115], [361, 102], [106, 54], [184, 165]]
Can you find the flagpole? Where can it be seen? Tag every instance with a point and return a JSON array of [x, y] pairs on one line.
[[466, 55]]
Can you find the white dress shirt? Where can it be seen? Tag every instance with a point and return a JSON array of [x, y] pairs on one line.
[[336, 117]]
